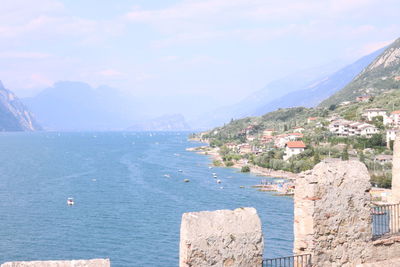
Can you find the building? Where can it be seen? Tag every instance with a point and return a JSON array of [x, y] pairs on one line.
[[390, 136], [371, 113], [298, 129], [268, 132], [382, 159], [395, 117], [311, 119], [294, 136], [352, 128], [293, 148], [364, 98]]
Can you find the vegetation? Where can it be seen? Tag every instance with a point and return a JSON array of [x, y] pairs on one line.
[[373, 81], [321, 144], [245, 168]]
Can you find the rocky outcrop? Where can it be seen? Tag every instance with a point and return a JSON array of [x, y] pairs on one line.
[[332, 214], [378, 77], [14, 116], [73, 263], [396, 171], [221, 238]]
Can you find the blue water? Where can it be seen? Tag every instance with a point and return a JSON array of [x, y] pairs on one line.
[[131, 213]]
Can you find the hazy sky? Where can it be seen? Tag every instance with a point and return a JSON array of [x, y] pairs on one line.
[[217, 49]]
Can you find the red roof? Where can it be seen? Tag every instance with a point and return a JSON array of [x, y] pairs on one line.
[[396, 112], [295, 144]]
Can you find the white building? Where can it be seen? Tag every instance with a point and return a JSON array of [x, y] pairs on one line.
[[391, 136], [352, 128], [293, 148], [393, 118], [371, 113]]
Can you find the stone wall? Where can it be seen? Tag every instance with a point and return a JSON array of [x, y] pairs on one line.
[[221, 238], [73, 263], [396, 171], [332, 214]]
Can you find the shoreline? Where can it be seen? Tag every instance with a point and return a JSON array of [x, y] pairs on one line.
[[257, 170]]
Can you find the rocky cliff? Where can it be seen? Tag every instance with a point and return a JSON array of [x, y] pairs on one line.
[[14, 116], [381, 75]]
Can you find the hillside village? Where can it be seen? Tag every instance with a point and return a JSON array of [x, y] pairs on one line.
[[303, 137], [359, 121]]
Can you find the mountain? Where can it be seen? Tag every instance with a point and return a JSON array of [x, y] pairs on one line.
[[260, 98], [174, 122], [317, 92], [77, 106], [307, 88], [14, 116], [381, 75]]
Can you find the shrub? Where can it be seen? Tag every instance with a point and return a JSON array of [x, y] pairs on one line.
[[229, 164], [245, 168], [217, 163]]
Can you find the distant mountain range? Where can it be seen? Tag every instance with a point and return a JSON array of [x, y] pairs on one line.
[[78, 106], [306, 89], [174, 122], [14, 116], [381, 75], [314, 94]]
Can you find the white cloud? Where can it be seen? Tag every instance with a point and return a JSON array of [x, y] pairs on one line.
[[193, 21]]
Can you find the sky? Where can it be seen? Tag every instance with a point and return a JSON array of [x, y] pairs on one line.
[[211, 52]]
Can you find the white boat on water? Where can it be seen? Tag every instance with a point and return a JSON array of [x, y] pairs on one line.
[[219, 181], [180, 171], [70, 201], [167, 175]]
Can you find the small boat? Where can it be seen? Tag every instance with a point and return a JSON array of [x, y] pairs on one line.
[[186, 180], [209, 167], [94, 180], [180, 171], [219, 181], [167, 175], [221, 187], [70, 201]]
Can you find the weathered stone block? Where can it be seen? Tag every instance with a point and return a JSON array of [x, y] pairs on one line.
[[72, 263], [332, 213], [221, 238]]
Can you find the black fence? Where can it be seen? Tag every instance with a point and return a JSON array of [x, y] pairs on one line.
[[291, 261], [385, 220]]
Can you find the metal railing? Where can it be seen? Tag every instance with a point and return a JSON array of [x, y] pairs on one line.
[[385, 220], [291, 261]]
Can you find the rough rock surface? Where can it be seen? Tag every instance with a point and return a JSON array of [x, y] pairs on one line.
[[395, 262], [221, 238], [396, 171], [72, 263], [332, 214]]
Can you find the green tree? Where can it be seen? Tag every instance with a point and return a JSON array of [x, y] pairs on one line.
[[345, 154], [316, 158], [245, 168], [361, 156]]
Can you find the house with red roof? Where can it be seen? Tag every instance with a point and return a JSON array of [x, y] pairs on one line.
[[293, 148]]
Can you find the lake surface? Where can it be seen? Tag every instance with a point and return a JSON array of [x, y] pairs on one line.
[[125, 208]]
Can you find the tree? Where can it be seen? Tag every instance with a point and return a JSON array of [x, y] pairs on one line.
[[345, 154], [332, 107], [316, 159], [245, 168], [362, 157]]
